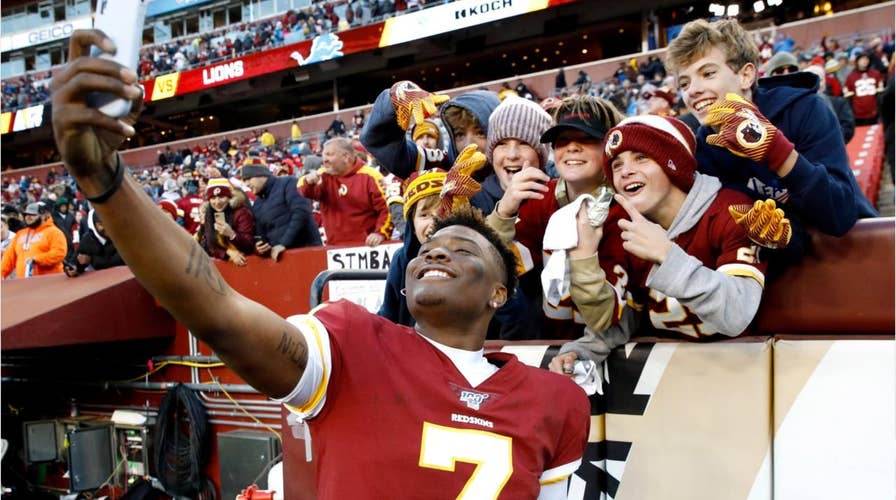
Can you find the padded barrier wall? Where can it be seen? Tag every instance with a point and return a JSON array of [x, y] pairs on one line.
[[720, 421], [803, 407]]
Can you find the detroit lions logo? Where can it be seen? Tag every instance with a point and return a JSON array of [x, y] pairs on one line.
[[323, 48], [473, 399]]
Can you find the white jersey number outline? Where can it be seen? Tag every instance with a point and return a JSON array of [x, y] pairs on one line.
[[441, 447]]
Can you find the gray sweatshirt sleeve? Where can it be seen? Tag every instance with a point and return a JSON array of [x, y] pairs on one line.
[[725, 303], [596, 346]]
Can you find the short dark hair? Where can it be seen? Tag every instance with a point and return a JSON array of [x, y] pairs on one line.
[[475, 221]]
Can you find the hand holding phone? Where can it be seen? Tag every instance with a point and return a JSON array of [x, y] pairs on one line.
[[261, 247], [122, 21]]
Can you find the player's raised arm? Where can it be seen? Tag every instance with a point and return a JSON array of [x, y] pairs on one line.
[[260, 346]]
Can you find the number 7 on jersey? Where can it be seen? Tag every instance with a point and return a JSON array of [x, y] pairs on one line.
[[441, 447]]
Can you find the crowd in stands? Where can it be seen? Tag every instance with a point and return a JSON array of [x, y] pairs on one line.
[[854, 72], [26, 90], [518, 160], [255, 170], [236, 40]]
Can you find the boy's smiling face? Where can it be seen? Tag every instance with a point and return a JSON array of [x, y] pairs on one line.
[[644, 183], [707, 79], [510, 156]]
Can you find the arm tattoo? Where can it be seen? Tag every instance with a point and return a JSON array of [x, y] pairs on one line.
[[200, 266], [294, 349]]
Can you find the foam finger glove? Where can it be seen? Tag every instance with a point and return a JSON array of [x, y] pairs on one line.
[[764, 223], [744, 131], [459, 184], [413, 104]]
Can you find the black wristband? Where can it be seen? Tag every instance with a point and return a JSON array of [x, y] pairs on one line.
[[117, 178]]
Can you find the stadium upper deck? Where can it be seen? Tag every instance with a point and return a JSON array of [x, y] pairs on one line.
[[272, 85]]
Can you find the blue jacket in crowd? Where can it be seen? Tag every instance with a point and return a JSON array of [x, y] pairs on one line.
[[283, 216], [821, 190]]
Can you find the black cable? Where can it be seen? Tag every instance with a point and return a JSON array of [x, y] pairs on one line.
[[267, 468], [181, 442]]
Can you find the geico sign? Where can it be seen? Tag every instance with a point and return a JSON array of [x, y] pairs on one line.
[[222, 72], [51, 33]]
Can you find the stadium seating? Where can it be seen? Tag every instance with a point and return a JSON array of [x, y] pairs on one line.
[[866, 157]]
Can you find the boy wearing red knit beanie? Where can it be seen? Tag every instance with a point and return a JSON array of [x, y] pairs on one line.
[[677, 262]]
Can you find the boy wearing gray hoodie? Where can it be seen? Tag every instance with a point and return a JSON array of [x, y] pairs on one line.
[[677, 262]]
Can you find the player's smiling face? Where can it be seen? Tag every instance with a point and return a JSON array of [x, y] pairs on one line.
[[456, 265], [707, 79]]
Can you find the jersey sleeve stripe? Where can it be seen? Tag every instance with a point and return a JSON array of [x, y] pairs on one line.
[[524, 262], [744, 271], [316, 328], [560, 473], [310, 392]]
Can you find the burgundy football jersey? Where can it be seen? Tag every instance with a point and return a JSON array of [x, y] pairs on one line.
[[716, 241], [400, 421], [190, 205], [864, 85]]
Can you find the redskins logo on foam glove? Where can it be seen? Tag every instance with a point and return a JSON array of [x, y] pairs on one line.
[[764, 223], [410, 101], [744, 131], [459, 183]]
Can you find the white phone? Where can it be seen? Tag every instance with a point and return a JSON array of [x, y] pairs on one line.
[[122, 21]]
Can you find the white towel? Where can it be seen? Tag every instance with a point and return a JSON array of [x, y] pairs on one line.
[[588, 376], [562, 234]]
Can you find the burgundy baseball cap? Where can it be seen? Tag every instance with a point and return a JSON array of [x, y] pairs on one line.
[[579, 120]]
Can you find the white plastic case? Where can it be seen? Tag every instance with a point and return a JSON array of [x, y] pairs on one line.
[[122, 21]]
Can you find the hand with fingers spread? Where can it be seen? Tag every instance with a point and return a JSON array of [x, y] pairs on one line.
[[744, 131], [237, 257], [412, 102], [764, 223], [528, 183], [641, 237], [459, 183], [85, 136]]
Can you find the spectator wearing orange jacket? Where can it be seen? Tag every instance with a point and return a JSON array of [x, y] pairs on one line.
[[38, 248], [352, 201]]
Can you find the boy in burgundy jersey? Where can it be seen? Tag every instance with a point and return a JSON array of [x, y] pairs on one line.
[[676, 260], [531, 197], [426, 411]]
